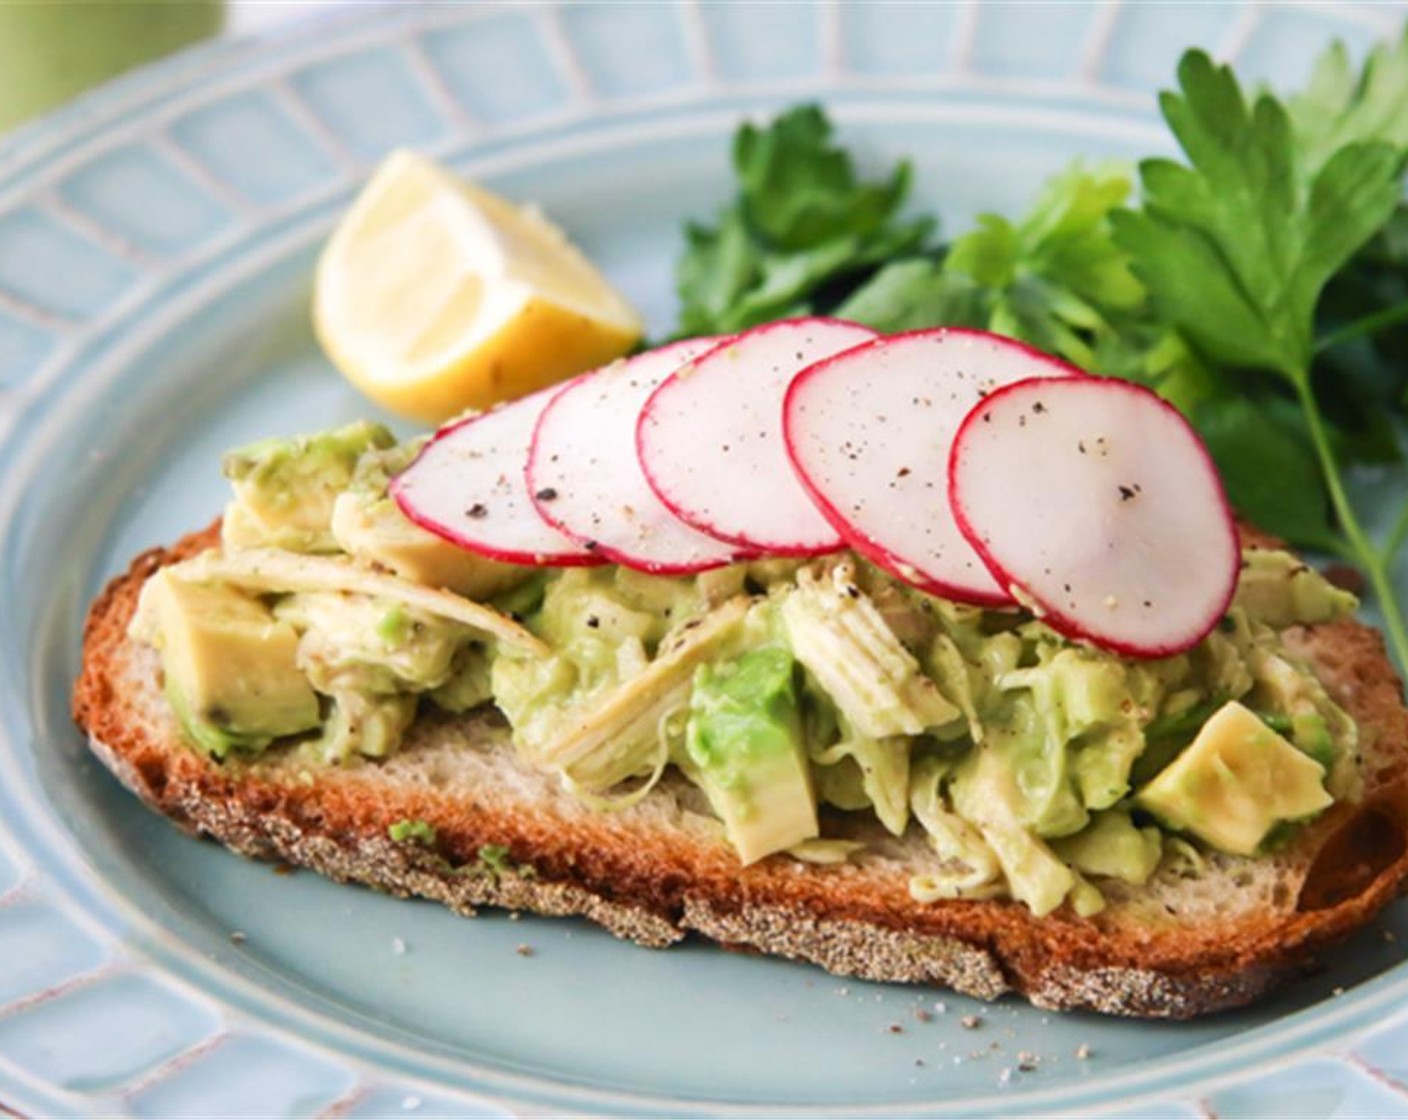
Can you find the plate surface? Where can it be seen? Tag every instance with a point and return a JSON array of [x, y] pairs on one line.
[[155, 251]]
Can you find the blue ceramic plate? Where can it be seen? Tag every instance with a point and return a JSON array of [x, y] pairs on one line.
[[155, 250]]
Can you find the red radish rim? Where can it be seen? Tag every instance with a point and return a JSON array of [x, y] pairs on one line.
[[864, 544], [1027, 348], [1054, 617], [607, 553], [699, 523], [479, 548]]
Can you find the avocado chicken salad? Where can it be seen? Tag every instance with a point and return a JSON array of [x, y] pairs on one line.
[[796, 694]]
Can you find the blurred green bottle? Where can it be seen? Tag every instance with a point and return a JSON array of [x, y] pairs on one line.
[[51, 50]]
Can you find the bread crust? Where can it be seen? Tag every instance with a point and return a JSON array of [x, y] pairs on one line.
[[654, 877]]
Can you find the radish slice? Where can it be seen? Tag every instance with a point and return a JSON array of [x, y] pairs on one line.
[[586, 479], [1096, 504], [468, 485], [869, 433], [710, 438]]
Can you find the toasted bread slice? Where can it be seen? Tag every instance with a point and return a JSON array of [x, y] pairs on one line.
[[1175, 948]]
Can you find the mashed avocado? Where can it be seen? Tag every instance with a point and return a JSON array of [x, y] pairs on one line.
[[284, 488], [797, 695]]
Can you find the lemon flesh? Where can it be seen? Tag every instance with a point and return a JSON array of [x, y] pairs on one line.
[[435, 296]]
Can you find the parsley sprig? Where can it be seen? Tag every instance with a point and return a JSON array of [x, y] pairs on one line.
[[802, 230], [1261, 284], [1237, 247]]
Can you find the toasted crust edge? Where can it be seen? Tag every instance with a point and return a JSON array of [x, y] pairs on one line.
[[982, 949]]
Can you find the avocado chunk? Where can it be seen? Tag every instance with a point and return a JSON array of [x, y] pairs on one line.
[[231, 667], [285, 487], [744, 737], [1236, 782]]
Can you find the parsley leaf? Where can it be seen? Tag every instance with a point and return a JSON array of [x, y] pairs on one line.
[[1056, 278], [493, 861], [798, 189], [1236, 249], [1268, 465], [412, 831], [1066, 238], [1147, 350], [804, 233], [713, 274], [1341, 104], [1361, 372], [914, 294]]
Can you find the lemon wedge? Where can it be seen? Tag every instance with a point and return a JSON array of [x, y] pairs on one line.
[[435, 296]]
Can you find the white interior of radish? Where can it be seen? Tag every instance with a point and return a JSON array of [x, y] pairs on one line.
[[710, 438], [1097, 500], [871, 431], [469, 486], [586, 478]]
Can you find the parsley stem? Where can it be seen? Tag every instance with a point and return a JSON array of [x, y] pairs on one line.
[[1368, 325], [1374, 562], [1396, 535]]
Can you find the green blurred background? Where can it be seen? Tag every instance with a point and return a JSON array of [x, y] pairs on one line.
[[51, 50]]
